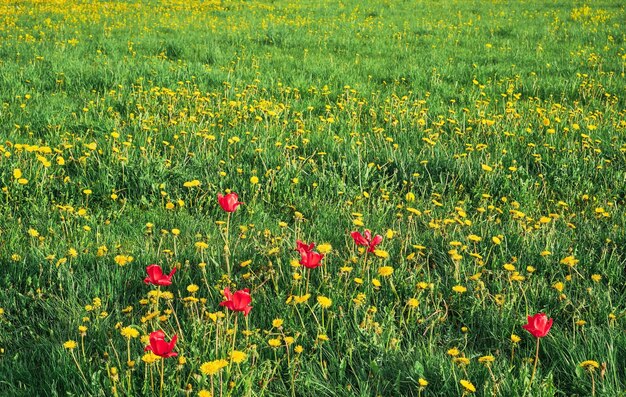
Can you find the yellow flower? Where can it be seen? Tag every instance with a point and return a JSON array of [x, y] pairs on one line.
[[468, 386], [238, 357], [324, 302], [422, 382], [192, 288], [459, 289], [254, 180], [461, 361], [515, 338], [274, 342], [204, 393], [381, 254], [486, 168], [570, 261], [497, 241], [150, 358], [298, 349], [323, 338], [277, 323], [213, 367], [385, 271], [194, 183], [70, 344], [413, 303], [324, 248], [486, 359], [454, 352], [590, 365], [596, 278], [129, 332], [376, 283]]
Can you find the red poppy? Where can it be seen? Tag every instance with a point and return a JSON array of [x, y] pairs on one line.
[[538, 325], [160, 347], [303, 248], [156, 276], [311, 259], [237, 302], [230, 202], [367, 240]]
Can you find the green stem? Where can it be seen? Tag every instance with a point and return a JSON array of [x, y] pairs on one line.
[[162, 371], [535, 365]]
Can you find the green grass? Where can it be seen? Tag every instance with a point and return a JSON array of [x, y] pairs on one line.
[[390, 110]]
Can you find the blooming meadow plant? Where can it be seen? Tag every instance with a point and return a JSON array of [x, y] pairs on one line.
[[415, 187]]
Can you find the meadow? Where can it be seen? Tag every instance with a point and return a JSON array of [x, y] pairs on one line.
[[417, 178]]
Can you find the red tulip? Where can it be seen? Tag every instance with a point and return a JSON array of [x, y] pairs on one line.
[[311, 259], [160, 347], [230, 202], [304, 248], [156, 276], [367, 240], [237, 302], [538, 325]]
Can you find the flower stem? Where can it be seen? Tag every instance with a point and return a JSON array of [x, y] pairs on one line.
[[162, 371], [535, 366]]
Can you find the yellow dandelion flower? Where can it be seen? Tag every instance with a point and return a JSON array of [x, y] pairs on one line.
[[468, 386], [486, 359], [590, 365], [324, 248], [459, 289], [70, 344], [274, 342], [413, 303], [238, 357], [211, 368], [454, 352], [324, 302], [385, 271]]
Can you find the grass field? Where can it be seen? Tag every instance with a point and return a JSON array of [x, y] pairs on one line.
[[484, 141]]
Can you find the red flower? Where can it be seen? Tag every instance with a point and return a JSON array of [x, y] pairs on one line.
[[156, 276], [160, 347], [311, 259], [237, 302], [538, 325], [303, 248], [367, 240], [230, 202]]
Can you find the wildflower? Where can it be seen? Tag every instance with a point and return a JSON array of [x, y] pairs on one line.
[[324, 302], [274, 342], [468, 386], [385, 271], [160, 347], [311, 260], [538, 325], [156, 276], [486, 359], [230, 202], [277, 323], [238, 357], [422, 382], [239, 301], [515, 338], [70, 344], [213, 367], [129, 332], [366, 239], [298, 349], [304, 248], [590, 365], [204, 393], [324, 248], [459, 289]]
